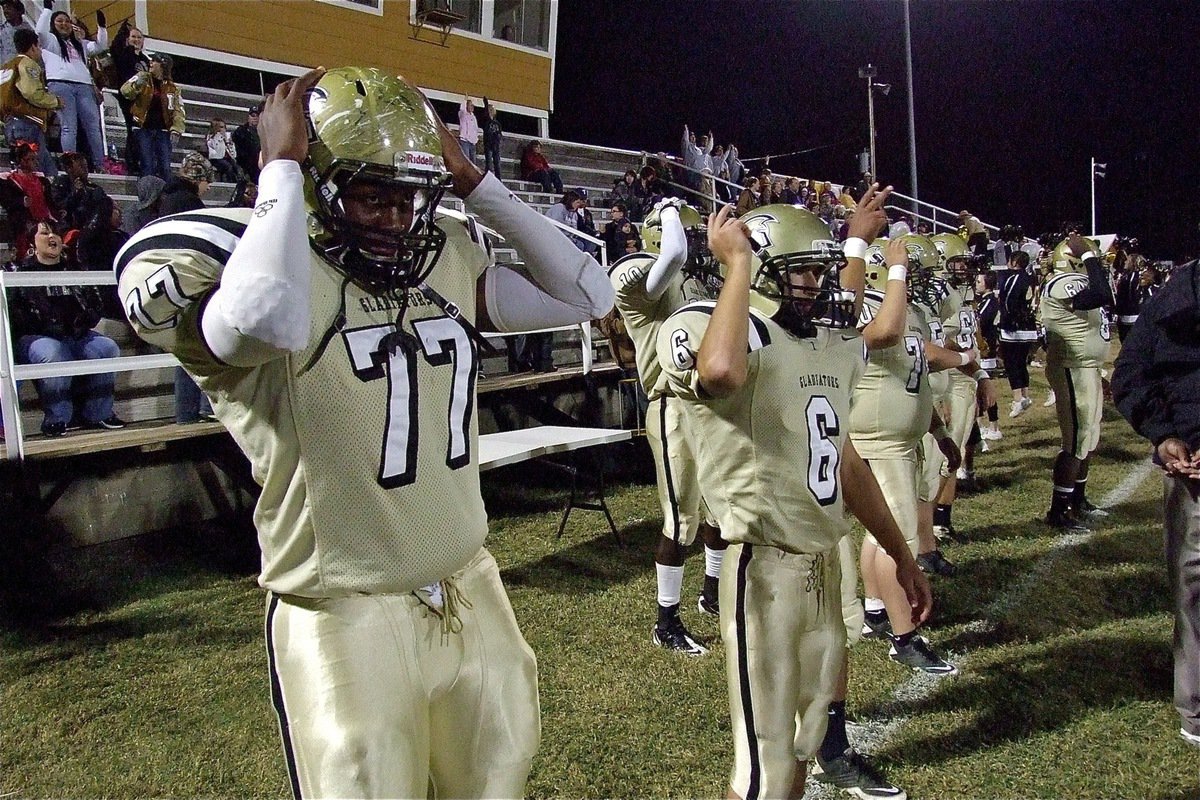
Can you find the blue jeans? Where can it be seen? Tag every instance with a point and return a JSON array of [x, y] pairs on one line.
[[190, 402], [154, 149], [56, 394], [21, 128], [468, 149], [80, 112], [491, 156]]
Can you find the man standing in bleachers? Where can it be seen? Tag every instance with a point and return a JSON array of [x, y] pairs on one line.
[[24, 98]]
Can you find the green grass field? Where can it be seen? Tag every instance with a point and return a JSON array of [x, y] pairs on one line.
[[1063, 645]]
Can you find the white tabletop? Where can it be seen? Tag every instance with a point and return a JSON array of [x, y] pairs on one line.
[[512, 447]]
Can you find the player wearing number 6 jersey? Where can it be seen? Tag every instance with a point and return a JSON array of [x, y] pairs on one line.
[[765, 375], [335, 328]]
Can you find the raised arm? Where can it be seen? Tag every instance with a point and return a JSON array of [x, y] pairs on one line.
[[868, 220], [260, 310], [887, 327], [672, 253], [722, 362]]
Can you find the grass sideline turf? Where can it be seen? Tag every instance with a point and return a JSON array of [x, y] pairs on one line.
[[160, 688]]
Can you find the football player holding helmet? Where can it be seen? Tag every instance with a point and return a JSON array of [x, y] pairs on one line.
[[649, 287], [797, 270], [699, 263], [370, 519], [761, 381]]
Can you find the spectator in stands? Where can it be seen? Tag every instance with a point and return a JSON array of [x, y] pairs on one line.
[[65, 52], [26, 101], [649, 191], [618, 231], [128, 60], [974, 232], [625, 191], [1156, 386], [149, 194], [157, 108], [864, 183], [73, 194], [53, 324], [749, 199], [737, 170], [183, 192], [586, 223], [221, 151], [535, 167], [245, 194], [14, 20], [1018, 329], [493, 135], [29, 201], [566, 212], [468, 128], [247, 145], [697, 157], [791, 192], [99, 241], [766, 188]]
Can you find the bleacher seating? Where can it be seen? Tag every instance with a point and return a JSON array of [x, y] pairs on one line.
[[148, 394]]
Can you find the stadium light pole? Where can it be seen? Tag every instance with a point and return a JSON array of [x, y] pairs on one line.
[[912, 125], [868, 73]]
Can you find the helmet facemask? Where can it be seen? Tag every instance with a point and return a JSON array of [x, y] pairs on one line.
[[701, 266], [381, 261], [807, 287]]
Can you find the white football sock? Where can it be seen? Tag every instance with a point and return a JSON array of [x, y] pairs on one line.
[[670, 584]]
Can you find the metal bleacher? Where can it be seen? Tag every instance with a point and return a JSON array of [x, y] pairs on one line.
[[144, 387]]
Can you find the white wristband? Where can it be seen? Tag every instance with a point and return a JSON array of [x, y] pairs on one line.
[[982, 375], [964, 358], [898, 272], [855, 248]]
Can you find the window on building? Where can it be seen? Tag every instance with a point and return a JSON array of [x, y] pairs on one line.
[[525, 22], [472, 10]]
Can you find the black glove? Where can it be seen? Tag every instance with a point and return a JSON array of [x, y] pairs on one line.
[[49, 4], [100, 18], [84, 322]]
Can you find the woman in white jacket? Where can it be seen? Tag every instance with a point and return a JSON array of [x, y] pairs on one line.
[[65, 52]]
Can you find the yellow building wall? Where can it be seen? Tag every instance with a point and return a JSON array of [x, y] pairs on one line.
[[310, 33]]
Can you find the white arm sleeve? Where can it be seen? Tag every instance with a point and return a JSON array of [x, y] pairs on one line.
[[565, 274], [671, 256], [260, 311]]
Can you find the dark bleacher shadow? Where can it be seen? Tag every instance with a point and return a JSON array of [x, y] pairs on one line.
[[1044, 691], [593, 565]]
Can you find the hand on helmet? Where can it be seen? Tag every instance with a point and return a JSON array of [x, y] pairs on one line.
[[896, 253], [669, 202], [869, 217], [466, 175], [281, 126], [728, 236], [1078, 245]]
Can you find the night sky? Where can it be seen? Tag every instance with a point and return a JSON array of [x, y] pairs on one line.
[[1012, 99]]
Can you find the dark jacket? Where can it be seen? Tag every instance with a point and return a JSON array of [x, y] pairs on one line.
[[247, 144], [77, 204], [1016, 303], [179, 195], [1156, 380], [55, 311]]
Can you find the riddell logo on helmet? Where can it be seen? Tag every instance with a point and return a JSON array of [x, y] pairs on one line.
[[416, 160]]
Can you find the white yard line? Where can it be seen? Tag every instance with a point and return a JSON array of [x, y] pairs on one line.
[[872, 735]]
